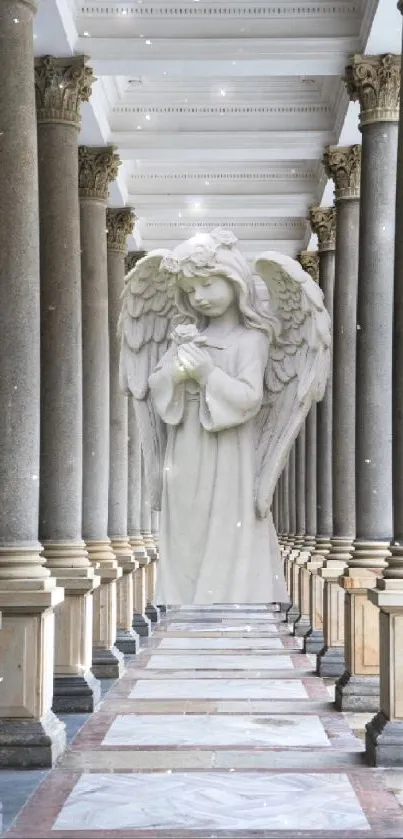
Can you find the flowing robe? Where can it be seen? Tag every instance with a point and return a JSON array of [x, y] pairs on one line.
[[213, 548]]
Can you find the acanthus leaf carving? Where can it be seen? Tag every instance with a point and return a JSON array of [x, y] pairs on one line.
[[343, 165], [323, 224], [97, 168], [309, 260], [374, 81], [61, 84], [119, 225]]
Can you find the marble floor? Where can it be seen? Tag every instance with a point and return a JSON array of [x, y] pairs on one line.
[[219, 729]]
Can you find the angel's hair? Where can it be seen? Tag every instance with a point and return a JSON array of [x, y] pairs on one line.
[[201, 257]]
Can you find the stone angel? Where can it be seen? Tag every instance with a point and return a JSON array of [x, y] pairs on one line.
[[223, 362]]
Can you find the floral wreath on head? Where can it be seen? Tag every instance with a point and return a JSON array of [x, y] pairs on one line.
[[202, 255]]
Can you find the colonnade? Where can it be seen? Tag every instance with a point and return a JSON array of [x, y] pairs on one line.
[[346, 584], [77, 545]]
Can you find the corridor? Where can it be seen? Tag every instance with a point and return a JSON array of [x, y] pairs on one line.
[[219, 728]]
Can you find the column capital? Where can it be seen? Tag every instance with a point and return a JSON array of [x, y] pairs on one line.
[[374, 81], [310, 263], [61, 84], [97, 168], [132, 259], [119, 225], [343, 165], [400, 6], [323, 223]]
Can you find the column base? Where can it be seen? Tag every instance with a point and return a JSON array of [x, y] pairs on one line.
[[31, 744], [76, 694], [384, 741], [301, 626], [127, 641], [357, 693], [330, 662], [141, 624], [293, 614], [153, 613], [314, 641], [107, 664], [284, 608]]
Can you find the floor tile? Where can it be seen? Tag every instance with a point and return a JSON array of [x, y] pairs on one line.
[[197, 730], [225, 662], [215, 801], [219, 689], [221, 644]]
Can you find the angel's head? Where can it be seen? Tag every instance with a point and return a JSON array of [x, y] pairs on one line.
[[211, 275]]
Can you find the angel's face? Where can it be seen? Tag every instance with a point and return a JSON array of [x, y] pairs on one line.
[[209, 296]]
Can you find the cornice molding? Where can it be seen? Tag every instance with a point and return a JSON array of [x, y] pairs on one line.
[[374, 81], [188, 10], [61, 84], [286, 175], [224, 109]]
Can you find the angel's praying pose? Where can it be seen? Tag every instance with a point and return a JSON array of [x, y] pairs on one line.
[[223, 363]]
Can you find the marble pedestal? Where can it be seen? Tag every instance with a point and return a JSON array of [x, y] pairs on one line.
[[127, 639], [141, 622], [330, 660], [107, 660], [358, 688], [314, 638]]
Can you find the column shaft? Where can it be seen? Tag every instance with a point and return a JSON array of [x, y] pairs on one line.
[[141, 623]]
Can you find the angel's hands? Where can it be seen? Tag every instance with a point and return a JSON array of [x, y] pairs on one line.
[[195, 361]]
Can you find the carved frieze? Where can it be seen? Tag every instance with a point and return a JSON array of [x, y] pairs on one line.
[[119, 225], [61, 84], [343, 165], [323, 224], [310, 263], [374, 81], [97, 168]]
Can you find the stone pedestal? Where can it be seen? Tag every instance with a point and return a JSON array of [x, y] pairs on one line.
[[314, 638], [330, 660], [60, 86], [97, 168], [30, 734], [375, 82]]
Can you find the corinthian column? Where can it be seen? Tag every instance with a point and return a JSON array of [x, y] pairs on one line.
[[30, 734], [323, 223], [97, 168], [375, 82], [120, 224], [343, 165], [61, 84], [384, 736], [141, 623]]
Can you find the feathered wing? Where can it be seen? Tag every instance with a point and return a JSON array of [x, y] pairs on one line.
[[298, 366], [144, 328]]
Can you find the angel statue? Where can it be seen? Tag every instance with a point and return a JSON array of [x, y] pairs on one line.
[[223, 363]]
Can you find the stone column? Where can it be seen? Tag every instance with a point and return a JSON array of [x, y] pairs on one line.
[[152, 610], [97, 168], [141, 623], [343, 165], [119, 226], [30, 734], [375, 81], [384, 735], [323, 223], [61, 84], [302, 624]]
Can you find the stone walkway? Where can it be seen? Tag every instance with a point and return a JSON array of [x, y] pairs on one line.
[[219, 728]]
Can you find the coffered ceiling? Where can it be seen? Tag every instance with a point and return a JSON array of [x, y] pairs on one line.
[[220, 110]]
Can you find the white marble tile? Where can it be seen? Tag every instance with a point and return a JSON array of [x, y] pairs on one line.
[[219, 689], [226, 801], [230, 607], [232, 615], [199, 661], [216, 730], [219, 627], [221, 644]]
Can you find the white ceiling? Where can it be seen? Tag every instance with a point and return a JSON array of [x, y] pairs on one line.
[[220, 110]]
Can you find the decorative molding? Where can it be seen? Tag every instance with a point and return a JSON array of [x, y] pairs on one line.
[[287, 175], [343, 166], [97, 168], [188, 10], [374, 81], [310, 263], [61, 84], [293, 227], [323, 224], [201, 110], [132, 259], [119, 225]]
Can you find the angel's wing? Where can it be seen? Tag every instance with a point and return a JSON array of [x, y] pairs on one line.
[[298, 366], [144, 327]]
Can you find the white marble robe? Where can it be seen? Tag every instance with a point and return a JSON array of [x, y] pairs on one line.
[[213, 549]]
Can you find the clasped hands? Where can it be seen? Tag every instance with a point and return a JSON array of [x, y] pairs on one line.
[[192, 362]]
